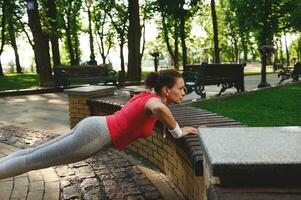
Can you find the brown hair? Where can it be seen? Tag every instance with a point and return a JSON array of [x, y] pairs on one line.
[[162, 78]]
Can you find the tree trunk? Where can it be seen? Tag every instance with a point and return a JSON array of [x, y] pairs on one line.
[[121, 57], [244, 44], [236, 50], [52, 12], [69, 42], [29, 41], [3, 22], [281, 52], [1, 69], [134, 36], [76, 50], [41, 46], [183, 36], [166, 39], [13, 43], [176, 54], [215, 33], [102, 38], [286, 50], [266, 35]]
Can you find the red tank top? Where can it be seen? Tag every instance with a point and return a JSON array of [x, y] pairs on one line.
[[131, 122]]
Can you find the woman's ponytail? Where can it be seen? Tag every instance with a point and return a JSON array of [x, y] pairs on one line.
[[151, 80], [157, 80]]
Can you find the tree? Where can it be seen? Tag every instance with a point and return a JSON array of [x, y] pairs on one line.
[[134, 37], [215, 33], [41, 46], [169, 31], [3, 22], [104, 29], [24, 27], [290, 13], [243, 25], [12, 28], [54, 33], [175, 22], [69, 15], [231, 29], [119, 18], [262, 21]]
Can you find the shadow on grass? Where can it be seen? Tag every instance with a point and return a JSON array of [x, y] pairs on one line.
[[19, 81]]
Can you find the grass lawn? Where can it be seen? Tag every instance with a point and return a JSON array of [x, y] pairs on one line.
[[28, 81], [273, 107], [18, 81]]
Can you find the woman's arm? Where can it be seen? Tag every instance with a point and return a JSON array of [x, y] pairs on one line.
[[162, 112]]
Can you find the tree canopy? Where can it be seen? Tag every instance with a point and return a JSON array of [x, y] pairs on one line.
[[231, 31]]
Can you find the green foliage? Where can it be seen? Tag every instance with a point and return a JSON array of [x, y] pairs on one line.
[[291, 15], [175, 16], [119, 18], [273, 107], [70, 22], [103, 28]]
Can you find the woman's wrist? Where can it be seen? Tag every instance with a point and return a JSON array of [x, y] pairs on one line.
[[176, 132]]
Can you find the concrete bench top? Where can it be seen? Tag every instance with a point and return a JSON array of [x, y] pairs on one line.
[[258, 151], [89, 90]]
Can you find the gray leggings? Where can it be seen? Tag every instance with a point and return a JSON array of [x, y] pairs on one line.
[[85, 139]]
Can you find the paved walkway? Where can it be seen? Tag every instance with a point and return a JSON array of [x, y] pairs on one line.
[[34, 185], [108, 175]]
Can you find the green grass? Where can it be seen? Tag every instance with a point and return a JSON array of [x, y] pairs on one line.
[[15, 81], [273, 107], [18, 81]]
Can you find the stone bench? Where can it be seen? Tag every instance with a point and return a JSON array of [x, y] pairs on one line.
[[252, 163]]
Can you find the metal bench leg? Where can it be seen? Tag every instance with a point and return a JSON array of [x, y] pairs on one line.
[[224, 87], [200, 90]]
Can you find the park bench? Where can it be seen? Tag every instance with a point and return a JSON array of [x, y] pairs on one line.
[[277, 66], [64, 75], [197, 76], [287, 74]]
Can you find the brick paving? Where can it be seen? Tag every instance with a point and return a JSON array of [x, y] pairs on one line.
[[107, 175], [38, 184]]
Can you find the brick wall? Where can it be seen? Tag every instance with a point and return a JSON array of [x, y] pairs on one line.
[[78, 109], [163, 152], [77, 101], [172, 160]]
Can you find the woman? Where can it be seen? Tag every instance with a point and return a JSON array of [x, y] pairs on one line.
[[135, 120]]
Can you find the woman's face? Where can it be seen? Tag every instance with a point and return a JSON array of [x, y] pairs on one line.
[[177, 92]]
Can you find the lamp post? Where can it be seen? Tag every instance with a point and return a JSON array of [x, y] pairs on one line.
[[31, 5], [92, 55], [266, 51], [156, 55]]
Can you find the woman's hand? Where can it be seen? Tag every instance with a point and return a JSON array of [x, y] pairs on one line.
[[188, 130]]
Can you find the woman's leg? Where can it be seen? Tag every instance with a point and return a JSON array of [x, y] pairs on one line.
[[26, 151], [88, 137]]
